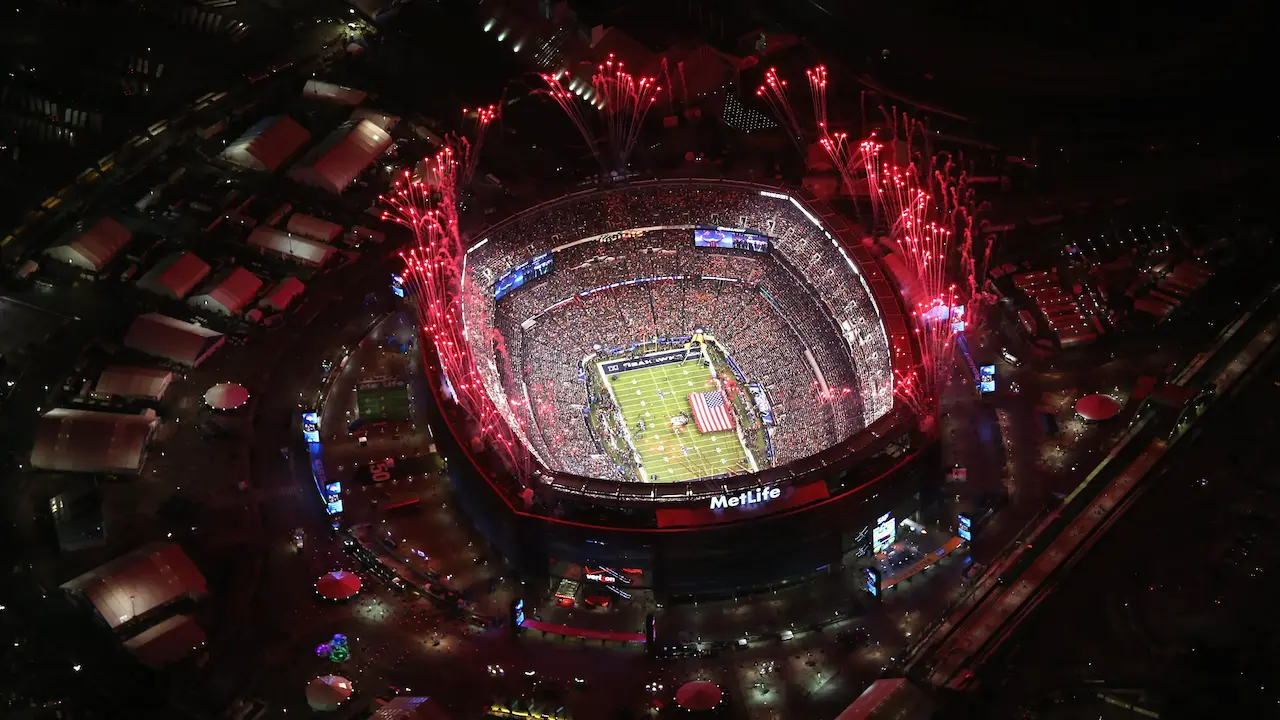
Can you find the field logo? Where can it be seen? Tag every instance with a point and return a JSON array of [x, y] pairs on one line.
[[751, 497]]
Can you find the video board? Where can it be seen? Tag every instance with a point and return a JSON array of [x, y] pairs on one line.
[[521, 274], [730, 240]]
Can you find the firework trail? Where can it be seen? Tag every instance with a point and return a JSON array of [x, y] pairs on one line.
[[484, 117], [621, 99], [924, 205], [626, 101], [426, 203], [774, 91]]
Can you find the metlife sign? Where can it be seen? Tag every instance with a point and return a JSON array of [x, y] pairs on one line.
[[617, 366], [759, 496]]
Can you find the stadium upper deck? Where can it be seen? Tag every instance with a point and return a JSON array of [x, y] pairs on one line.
[[837, 289]]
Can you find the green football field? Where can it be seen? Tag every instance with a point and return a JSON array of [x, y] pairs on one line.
[[669, 453]]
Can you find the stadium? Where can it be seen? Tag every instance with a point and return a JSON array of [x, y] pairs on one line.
[[687, 358]]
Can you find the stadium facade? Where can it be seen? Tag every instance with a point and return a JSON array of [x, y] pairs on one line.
[[718, 535]]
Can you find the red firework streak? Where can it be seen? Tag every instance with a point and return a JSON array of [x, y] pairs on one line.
[[625, 101], [484, 116], [924, 205], [426, 203], [620, 98]]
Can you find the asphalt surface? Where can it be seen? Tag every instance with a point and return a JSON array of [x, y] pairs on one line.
[[1172, 608]]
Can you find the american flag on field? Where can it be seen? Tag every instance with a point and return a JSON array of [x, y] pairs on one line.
[[711, 411]]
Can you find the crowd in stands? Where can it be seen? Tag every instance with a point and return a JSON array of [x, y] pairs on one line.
[[771, 317]]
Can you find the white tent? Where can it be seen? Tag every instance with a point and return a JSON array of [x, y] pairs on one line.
[[93, 249], [134, 382], [377, 117], [172, 339], [267, 145], [295, 247], [328, 692], [88, 441], [329, 92], [175, 276], [337, 161], [231, 294], [314, 228], [282, 294], [139, 582]]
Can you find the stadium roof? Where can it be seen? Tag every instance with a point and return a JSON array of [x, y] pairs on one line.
[[329, 92], [172, 339], [267, 145], [333, 164], [95, 247], [282, 294], [167, 642], [138, 582], [236, 289], [175, 276], [132, 381], [313, 227], [88, 441], [307, 252]]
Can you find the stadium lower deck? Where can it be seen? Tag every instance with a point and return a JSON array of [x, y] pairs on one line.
[[654, 406]]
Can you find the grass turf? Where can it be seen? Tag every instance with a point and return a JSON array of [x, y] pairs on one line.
[[660, 444], [384, 404]]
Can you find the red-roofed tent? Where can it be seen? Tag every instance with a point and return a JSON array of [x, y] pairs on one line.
[[267, 145], [95, 247]]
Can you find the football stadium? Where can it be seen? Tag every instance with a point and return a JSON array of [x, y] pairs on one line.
[[686, 356]]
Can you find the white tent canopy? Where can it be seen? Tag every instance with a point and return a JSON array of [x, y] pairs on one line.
[[295, 247], [172, 339], [336, 162], [175, 276], [230, 296], [93, 249], [88, 441], [282, 294], [267, 145], [132, 381], [314, 228], [139, 582], [329, 92]]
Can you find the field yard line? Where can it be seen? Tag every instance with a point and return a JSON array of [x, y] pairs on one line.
[[626, 431]]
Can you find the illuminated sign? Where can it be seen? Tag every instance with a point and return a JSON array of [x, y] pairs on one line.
[[601, 577], [381, 471], [885, 533], [311, 427], [987, 378], [333, 498], [750, 497], [965, 528], [872, 578], [521, 274], [520, 611], [397, 285], [730, 240]]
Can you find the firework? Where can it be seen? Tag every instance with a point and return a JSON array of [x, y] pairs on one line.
[[426, 203], [484, 116], [622, 101], [625, 100], [775, 92], [922, 205], [924, 208], [566, 98]]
